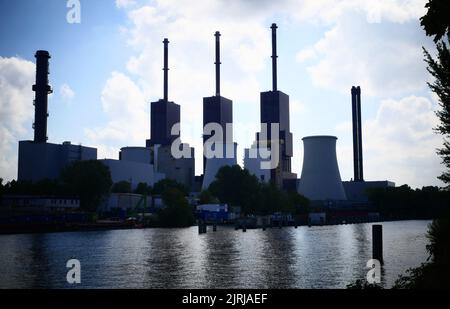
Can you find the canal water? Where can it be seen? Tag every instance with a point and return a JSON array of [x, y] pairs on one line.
[[306, 257]]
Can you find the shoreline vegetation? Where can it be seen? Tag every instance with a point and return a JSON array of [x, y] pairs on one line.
[[233, 186]]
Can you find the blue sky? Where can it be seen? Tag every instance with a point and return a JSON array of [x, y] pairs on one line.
[[107, 69]]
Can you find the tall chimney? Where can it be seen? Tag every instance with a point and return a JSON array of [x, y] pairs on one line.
[[355, 134], [360, 153], [274, 56], [42, 89], [217, 63], [166, 69]]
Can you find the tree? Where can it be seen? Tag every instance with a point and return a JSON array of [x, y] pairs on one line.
[[143, 188], [300, 203], [440, 69], [236, 187], [206, 197], [177, 212], [436, 23], [433, 274], [89, 180], [121, 187], [164, 184]]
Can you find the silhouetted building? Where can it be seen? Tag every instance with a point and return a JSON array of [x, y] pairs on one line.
[[180, 169], [38, 159], [320, 179], [357, 191], [217, 109], [357, 134], [42, 89], [164, 114], [275, 109]]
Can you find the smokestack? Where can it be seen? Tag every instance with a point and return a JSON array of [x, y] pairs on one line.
[[274, 56], [360, 153], [166, 70], [42, 89], [357, 134], [217, 63]]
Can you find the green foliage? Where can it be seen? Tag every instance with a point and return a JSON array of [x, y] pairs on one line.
[[274, 200], [436, 21], [435, 273], [177, 212], [89, 180], [363, 285], [121, 187], [439, 238], [143, 188], [300, 203], [207, 197], [404, 202], [161, 186], [237, 187], [48, 187], [440, 69]]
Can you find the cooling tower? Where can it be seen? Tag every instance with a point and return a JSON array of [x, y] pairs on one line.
[[213, 165], [320, 178]]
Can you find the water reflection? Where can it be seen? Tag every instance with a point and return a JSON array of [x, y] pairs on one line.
[[316, 257]]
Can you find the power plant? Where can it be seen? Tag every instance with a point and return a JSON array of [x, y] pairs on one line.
[[320, 179], [357, 134], [39, 159], [274, 109], [217, 113]]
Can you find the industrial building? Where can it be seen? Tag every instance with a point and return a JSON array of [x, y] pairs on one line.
[[357, 188], [320, 179], [274, 109], [213, 165], [180, 169], [164, 116], [217, 110], [252, 162], [38, 159]]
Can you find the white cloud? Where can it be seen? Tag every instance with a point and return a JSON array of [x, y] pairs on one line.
[[385, 59], [67, 94], [128, 125], [16, 110], [306, 54], [399, 144], [375, 44], [123, 4], [374, 11], [245, 48]]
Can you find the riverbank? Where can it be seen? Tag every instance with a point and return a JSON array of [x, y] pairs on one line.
[[104, 225]]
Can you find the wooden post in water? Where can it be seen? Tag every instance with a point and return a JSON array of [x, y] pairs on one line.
[[214, 227], [377, 242], [201, 227]]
